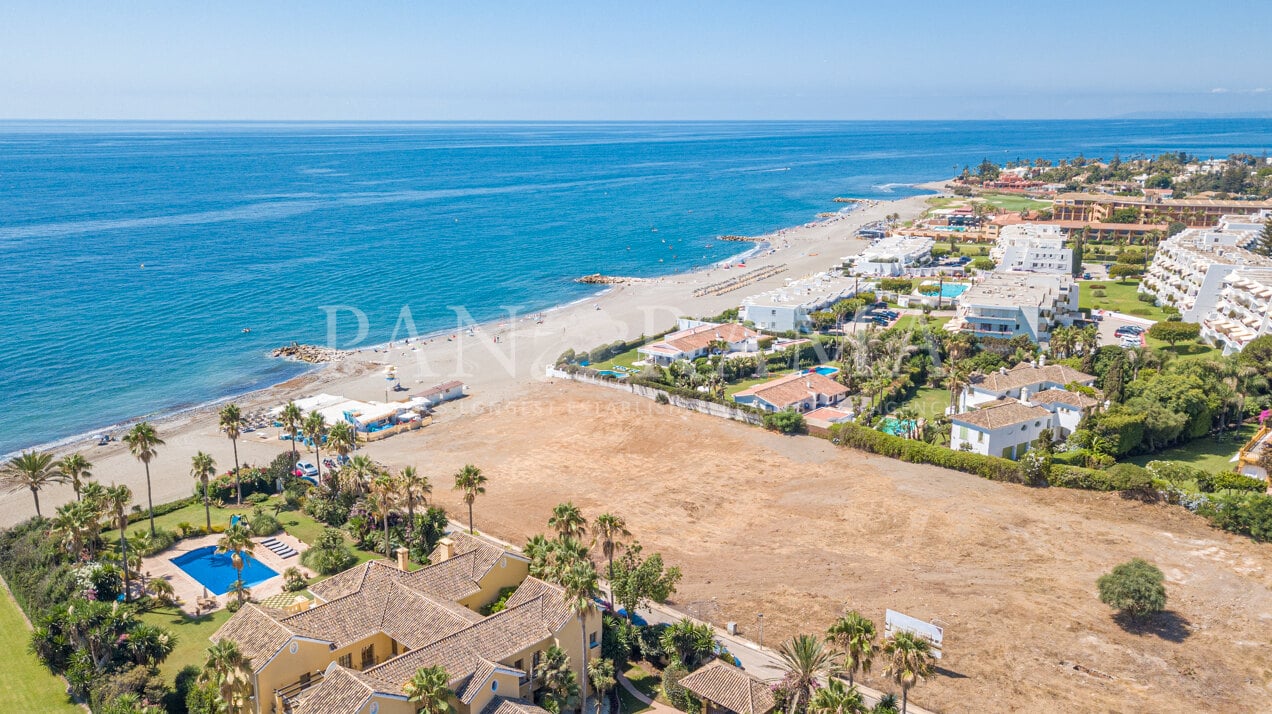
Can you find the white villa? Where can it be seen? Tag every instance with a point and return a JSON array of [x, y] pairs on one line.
[[1033, 377], [1003, 412], [1189, 269], [1007, 304], [787, 309], [892, 255], [694, 339], [1032, 248], [800, 392]]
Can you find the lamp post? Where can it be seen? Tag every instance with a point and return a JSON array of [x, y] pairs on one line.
[[760, 617]]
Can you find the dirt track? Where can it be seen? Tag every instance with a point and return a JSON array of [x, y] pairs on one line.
[[799, 529]]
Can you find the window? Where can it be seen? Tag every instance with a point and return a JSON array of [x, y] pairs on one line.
[[368, 656], [393, 648], [980, 437], [1007, 452], [494, 685], [591, 640], [521, 665], [346, 661], [304, 680], [962, 433]]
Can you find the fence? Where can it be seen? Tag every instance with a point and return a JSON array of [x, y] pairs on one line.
[[701, 406]]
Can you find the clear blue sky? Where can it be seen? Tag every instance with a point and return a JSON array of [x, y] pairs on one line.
[[639, 59]]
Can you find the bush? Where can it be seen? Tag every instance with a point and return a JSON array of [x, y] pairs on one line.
[[678, 695], [257, 498], [294, 580], [500, 603], [1173, 332], [1246, 514], [786, 421], [1136, 588], [620, 640], [1229, 481], [876, 442], [661, 398], [262, 523], [329, 554], [896, 285], [651, 649]]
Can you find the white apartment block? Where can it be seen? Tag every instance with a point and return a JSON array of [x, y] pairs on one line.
[[1189, 269], [1242, 312], [787, 309], [1032, 248], [892, 255], [1007, 304]]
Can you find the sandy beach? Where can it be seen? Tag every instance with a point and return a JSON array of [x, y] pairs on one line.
[[496, 360]]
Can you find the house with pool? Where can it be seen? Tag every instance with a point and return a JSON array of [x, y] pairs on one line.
[[370, 628], [802, 392], [697, 339]]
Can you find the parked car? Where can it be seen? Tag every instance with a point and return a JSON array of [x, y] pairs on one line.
[[1086, 276], [306, 469]]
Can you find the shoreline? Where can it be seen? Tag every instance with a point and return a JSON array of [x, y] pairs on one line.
[[495, 358]]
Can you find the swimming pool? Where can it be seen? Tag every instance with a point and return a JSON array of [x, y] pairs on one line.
[[952, 290], [215, 571], [611, 374], [897, 427], [824, 370]]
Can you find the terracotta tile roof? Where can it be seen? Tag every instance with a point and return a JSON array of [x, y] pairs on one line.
[[384, 605], [258, 635], [342, 584], [476, 681], [341, 691], [1001, 413], [794, 388], [730, 688], [1074, 399], [1026, 374], [503, 705], [697, 338]]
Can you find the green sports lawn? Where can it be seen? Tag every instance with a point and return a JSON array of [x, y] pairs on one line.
[[25, 685]]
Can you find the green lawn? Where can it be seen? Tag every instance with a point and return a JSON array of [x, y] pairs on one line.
[[930, 402], [192, 514], [1014, 202], [645, 681], [192, 636], [1119, 297], [622, 360], [1208, 453], [909, 322], [25, 685], [630, 704]]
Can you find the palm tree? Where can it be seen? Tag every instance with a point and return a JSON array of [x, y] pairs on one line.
[[837, 698], [74, 524], [149, 644], [357, 474], [237, 541], [162, 591], [557, 677], [601, 674], [343, 438], [142, 440], [806, 661], [607, 529], [202, 467], [77, 470], [429, 688], [292, 418], [471, 481], [909, 661], [579, 583], [32, 470], [230, 672], [384, 489], [117, 499], [568, 520], [314, 429], [413, 485], [854, 636], [232, 423]]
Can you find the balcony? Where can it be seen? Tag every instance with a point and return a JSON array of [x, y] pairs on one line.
[[291, 695]]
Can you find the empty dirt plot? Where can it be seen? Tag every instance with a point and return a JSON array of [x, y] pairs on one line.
[[800, 530]]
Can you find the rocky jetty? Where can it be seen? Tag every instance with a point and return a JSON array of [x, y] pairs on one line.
[[842, 199], [742, 239], [598, 279], [313, 354]]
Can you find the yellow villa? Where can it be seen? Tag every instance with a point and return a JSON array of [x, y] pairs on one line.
[[371, 627]]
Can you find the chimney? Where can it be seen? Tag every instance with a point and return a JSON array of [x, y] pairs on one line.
[[1002, 370], [401, 554], [1024, 396], [445, 549], [1042, 360]]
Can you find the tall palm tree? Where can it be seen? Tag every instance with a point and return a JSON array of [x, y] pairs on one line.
[[568, 520], [806, 660], [601, 674], [142, 441], [909, 662], [356, 475], [315, 428], [230, 672], [429, 687], [73, 525], [117, 499], [414, 485], [202, 468], [77, 470], [32, 470], [384, 490], [837, 698], [854, 636], [343, 438], [607, 530], [580, 585], [292, 418], [232, 424], [471, 481], [237, 541]]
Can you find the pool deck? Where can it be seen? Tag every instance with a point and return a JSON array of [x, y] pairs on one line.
[[191, 593]]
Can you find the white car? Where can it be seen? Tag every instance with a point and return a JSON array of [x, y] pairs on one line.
[[305, 469]]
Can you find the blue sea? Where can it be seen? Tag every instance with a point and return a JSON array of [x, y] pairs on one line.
[[259, 226]]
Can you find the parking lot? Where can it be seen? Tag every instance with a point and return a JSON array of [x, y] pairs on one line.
[[1110, 324]]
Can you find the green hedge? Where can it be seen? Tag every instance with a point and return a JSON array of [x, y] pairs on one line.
[[919, 452], [163, 509], [1122, 477]]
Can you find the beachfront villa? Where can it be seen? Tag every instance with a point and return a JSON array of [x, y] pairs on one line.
[[1193, 212], [372, 627], [892, 256], [787, 309], [1032, 248], [1007, 304], [695, 339], [801, 392]]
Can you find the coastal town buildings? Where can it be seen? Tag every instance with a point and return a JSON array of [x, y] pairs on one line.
[[1006, 304], [725, 689], [801, 392], [1243, 310], [1008, 427], [371, 628], [1032, 248], [1033, 377], [697, 339], [1192, 212], [787, 309], [892, 256], [1188, 269]]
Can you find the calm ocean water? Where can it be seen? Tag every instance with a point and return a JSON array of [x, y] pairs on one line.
[[258, 225]]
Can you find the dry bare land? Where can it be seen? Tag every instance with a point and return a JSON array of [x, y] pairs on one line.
[[799, 529]]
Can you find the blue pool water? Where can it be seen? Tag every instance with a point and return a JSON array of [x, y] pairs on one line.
[[952, 290], [897, 427], [215, 571], [825, 371], [611, 374]]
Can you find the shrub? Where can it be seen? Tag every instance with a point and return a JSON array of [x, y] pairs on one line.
[[662, 398], [262, 523], [876, 442], [620, 640], [1228, 481], [1246, 514], [1136, 588], [257, 498], [500, 603], [896, 285], [294, 580], [786, 421], [329, 554], [678, 695], [1176, 473]]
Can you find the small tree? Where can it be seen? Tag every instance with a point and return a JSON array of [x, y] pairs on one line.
[[1135, 588], [1173, 332], [787, 421], [1122, 271]]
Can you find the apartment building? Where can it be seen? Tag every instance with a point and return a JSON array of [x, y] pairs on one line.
[[1242, 312], [787, 309], [1192, 212], [1189, 269], [1032, 248], [1007, 304], [892, 255]]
